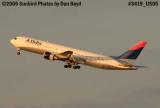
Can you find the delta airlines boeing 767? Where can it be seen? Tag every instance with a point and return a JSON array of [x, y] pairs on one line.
[[74, 57]]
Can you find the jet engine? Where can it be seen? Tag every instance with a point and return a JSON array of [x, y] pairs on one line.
[[50, 56]]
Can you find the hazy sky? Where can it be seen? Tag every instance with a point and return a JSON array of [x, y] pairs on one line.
[[104, 26]]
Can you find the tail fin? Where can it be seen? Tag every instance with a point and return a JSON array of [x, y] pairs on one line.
[[134, 51]]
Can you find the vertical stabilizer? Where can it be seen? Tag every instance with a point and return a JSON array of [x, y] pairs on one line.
[[134, 51]]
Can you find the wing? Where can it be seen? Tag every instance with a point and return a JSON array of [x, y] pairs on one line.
[[66, 54], [68, 57], [72, 61], [79, 59], [59, 56]]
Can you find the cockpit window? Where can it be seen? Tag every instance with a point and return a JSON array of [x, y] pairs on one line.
[[15, 38]]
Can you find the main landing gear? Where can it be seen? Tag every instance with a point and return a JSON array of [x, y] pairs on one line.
[[67, 66], [74, 67]]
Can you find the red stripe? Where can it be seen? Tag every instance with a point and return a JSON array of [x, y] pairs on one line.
[[140, 44]]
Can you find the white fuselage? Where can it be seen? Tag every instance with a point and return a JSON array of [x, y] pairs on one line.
[[92, 59]]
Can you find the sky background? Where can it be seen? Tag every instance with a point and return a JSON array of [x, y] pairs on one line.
[[107, 27]]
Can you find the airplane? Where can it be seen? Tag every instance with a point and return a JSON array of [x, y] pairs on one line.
[[73, 58]]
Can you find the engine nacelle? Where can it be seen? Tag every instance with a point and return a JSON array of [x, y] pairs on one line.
[[50, 56]]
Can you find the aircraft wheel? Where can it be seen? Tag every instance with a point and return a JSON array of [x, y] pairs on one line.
[[65, 66], [69, 66], [76, 67], [18, 53]]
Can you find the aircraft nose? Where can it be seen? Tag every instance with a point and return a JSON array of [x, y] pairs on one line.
[[12, 41]]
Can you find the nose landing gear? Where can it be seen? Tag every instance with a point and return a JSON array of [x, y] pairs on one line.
[[18, 52]]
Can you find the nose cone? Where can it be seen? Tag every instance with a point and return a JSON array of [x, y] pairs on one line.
[[12, 41]]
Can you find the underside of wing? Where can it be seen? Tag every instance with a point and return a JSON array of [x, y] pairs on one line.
[[66, 54], [59, 56]]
